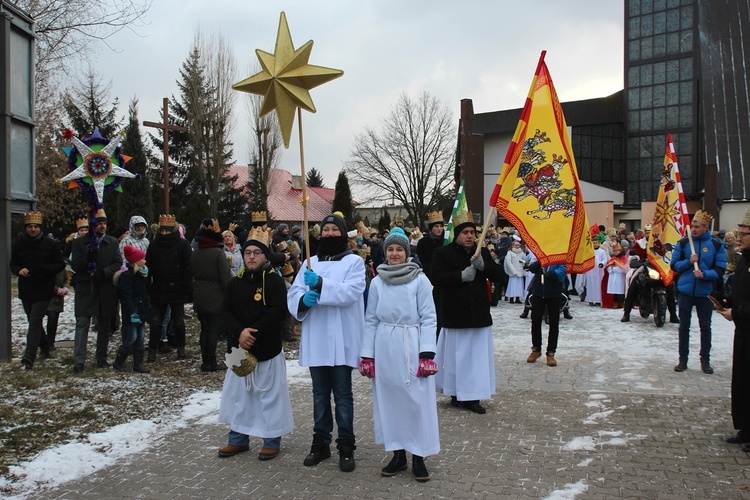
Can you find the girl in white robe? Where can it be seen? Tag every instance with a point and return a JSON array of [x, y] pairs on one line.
[[514, 261], [595, 275], [398, 346]]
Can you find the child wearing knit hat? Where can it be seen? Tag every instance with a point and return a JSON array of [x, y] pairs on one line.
[[136, 312]]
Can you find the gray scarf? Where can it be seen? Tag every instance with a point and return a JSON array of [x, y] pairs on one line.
[[398, 274]]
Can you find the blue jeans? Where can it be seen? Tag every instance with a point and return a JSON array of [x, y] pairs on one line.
[[336, 379], [705, 309], [237, 439], [132, 335]]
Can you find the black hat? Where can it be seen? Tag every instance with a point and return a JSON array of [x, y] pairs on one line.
[[335, 219]]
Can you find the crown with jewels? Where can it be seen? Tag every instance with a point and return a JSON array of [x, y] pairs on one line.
[[258, 216], [292, 246], [434, 217], [259, 235], [280, 246], [232, 226], [167, 220], [463, 218], [32, 218], [82, 222], [287, 270], [745, 220], [703, 217]]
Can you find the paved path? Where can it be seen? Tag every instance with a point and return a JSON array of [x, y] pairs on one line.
[[612, 420]]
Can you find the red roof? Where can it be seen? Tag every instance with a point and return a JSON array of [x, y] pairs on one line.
[[284, 200]]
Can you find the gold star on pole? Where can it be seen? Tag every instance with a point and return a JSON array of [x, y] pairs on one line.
[[285, 79]]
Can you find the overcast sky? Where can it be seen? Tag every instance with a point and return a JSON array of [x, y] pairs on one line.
[[485, 50]]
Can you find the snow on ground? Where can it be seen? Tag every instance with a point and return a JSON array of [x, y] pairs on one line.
[[592, 341]]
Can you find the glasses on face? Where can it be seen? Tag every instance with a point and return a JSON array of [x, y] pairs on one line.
[[741, 234], [256, 253]]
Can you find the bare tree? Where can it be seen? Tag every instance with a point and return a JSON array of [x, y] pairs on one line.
[[411, 159], [265, 150], [65, 28]]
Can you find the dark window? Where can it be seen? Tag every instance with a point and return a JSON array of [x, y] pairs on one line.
[[686, 115], [686, 92], [660, 23], [673, 43], [686, 17], [634, 28]]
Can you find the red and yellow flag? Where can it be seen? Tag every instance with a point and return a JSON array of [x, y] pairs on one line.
[[671, 220], [538, 189]]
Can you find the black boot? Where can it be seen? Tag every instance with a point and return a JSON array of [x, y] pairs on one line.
[[151, 355], [138, 365], [396, 465], [625, 317], [181, 353], [419, 469], [119, 364], [346, 455], [319, 451], [566, 314]]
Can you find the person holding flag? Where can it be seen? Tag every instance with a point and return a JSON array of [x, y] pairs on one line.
[[465, 355], [700, 259]]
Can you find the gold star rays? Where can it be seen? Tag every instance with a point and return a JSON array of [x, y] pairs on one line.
[[285, 79]]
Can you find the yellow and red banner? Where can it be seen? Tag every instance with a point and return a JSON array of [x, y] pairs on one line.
[[671, 220], [538, 189]]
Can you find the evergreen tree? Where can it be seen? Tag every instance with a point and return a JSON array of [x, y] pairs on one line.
[[342, 198], [87, 108], [257, 192], [135, 198], [314, 178]]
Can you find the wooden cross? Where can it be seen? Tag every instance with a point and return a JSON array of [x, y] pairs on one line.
[[165, 127]]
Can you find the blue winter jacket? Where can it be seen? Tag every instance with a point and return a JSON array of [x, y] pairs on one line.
[[711, 262], [554, 280]]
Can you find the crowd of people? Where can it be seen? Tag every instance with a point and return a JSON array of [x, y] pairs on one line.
[[409, 310]]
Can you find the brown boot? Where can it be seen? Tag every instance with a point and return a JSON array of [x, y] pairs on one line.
[[551, 361], [535, 354]]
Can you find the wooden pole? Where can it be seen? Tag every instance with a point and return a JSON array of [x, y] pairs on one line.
[[304, 189], [692, 245], [165, 127], [480, 240]]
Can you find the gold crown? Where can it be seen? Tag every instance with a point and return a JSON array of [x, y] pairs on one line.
[[280, 247], [462, 218], [82, 222], [746, 220], [434, 217], [398, 219], [100, 214], [416, 233], [257, 234], [292, 247], [703, 217], [32, 218], [167, 220], [232, 226], [259, 216], [647, 227], [315, 230], [287, 270]]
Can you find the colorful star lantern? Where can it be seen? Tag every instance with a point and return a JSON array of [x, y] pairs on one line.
[[285, 79], [95, 164]]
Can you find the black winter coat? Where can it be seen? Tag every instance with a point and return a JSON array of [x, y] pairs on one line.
[[255, 300], [740, 304], [96, 295], [464, 305], [425, 249], [42, 257], [170, 275], [134, 296]]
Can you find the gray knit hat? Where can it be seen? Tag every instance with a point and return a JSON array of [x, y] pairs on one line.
[[397, 236]]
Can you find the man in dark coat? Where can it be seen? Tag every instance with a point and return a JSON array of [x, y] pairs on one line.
[[171, 283], [465, 352], [211, 273], [95, 259], [737, 309], [547, 289], [425, 249], [36, 260]]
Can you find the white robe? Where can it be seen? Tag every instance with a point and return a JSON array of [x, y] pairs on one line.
[[616, 282], [594, 277], [332, 329], [516, 275], [259, 404], [399, 324], [466, 363]]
